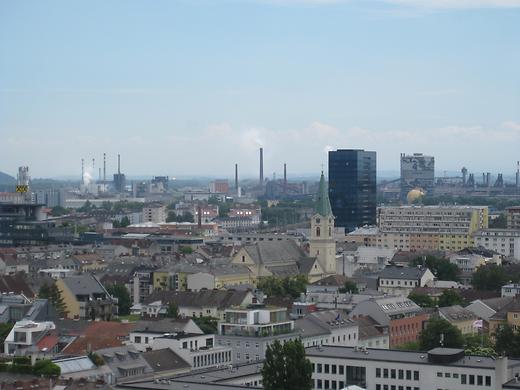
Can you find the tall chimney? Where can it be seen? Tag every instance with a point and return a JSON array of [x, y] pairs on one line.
[[99, 174], [93, 170], [236, 178], [488, 179], [82, 171], [285, 178], [261, 166], [119, 164], [104, 167], [518, 174]]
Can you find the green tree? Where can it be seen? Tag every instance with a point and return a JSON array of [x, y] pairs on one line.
[[507, 341], [57, 211], [5, 329], [409, 346], [437, 330], [53, 294], [449, 298], [46, 368], [125, 221], [478, 345], [286, 367], [498, 223], [207, 324], [422, 300], [289, 286], [120, 292], [490, 277], [173, 310], [349, 287], [186, 250], [442, 268]]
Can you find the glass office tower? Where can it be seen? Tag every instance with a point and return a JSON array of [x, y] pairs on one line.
[[352, 187]]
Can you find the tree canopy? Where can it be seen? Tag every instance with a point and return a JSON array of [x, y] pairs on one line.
[[440, 267], [120, 292], [53, 294], [290, 285], [422, 300], [349, 287], [490, 277], [437, 330], [286, 367], [450, 297]]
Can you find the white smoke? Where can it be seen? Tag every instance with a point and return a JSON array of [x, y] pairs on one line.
[[87, 176]]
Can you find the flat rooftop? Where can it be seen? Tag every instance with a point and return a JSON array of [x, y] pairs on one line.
[[397, 356]]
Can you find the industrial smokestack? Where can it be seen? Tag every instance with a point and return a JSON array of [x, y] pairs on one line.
[[104, 167], [488, 179], [99, 174], [261, 166], [119, 164], [93, 169], [285, 178], [236, 178], [518, 174], [82, 171]]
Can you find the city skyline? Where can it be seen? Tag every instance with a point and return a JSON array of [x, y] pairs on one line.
[[192, 88]]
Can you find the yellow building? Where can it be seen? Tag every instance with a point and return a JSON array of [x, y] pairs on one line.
[[86, 298], [459, 317]]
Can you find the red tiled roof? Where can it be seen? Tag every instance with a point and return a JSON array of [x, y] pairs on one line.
[[47, 342], [99, 335]]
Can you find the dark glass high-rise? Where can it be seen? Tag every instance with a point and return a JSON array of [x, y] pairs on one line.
[[352, 187]]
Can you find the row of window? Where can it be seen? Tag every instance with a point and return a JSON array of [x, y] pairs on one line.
[[328, 368], [394, 387], [397, 374], [479, 380]]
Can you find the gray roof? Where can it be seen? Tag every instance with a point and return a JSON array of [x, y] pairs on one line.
[[408, 273], [166, 325], [322, 322], [165, 360], [456, 313], [204, 298], [412, 357], [84, 285], [269, 252]]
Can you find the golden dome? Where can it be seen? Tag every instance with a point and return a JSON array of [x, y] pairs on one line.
[[414, 194]]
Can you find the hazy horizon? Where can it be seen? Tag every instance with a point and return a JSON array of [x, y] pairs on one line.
[[182, 87]]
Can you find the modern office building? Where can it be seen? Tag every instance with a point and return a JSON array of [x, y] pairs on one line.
[[504, 241], [335, 367], [352, 187], [417, 172]]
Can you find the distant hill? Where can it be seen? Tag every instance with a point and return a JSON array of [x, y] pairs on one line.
[[7, 179]]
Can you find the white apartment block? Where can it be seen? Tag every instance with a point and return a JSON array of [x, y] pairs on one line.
[[504, 241], [154, 213], [336, 368]]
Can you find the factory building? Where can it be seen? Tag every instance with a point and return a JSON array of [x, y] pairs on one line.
[[417, 172]]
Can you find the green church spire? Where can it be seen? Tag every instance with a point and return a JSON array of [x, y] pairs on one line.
[[323, 203]]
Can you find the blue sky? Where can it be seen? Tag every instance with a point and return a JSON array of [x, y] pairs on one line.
[[193, 86]]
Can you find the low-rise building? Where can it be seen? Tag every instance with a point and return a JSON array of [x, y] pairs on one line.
[[142, 336], [86, 298], [459, 317], [504, 241], [335, 367], [24, 335], [469, 259], [510, 290], [403, 318], [396, 280]]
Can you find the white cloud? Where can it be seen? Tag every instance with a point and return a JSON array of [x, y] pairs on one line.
[[447, 4]]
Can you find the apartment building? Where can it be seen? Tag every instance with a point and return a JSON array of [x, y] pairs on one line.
[[513, 217], [413, 228], [395, 280], [155, 213], [469, 259], [403, 318], [336, 367], [504, 241]]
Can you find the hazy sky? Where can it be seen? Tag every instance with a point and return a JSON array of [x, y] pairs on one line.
[[193, 86]]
